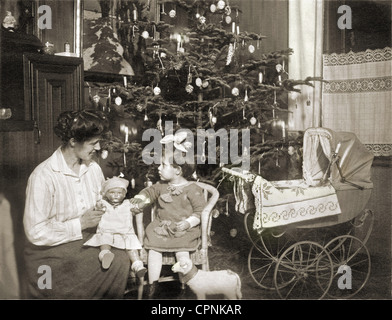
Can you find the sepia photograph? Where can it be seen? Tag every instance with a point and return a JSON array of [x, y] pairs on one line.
[[196, 154]]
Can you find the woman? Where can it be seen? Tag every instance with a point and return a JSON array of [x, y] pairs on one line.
[[60, 216]]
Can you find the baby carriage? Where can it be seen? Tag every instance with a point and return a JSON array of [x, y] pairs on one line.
[[309, 235]]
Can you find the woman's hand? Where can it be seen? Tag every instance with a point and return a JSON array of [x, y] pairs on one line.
[[91, 218]]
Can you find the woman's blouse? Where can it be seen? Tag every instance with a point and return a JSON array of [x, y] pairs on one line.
[[56, 198]]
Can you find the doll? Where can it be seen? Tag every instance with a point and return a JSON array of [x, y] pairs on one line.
[[9, 22], [116, 226]]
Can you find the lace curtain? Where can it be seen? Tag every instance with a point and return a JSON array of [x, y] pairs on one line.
[[358, 97]]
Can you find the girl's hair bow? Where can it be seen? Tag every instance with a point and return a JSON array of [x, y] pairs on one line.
[[177, 140]]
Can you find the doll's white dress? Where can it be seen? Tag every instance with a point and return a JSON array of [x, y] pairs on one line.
[[116, 228]]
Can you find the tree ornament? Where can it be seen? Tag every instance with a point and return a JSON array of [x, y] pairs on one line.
[[139, 107], [145, 34], [202, 20], [221, 4], [198, 82], [189, 88], [235, 91], [172, 13], [213, 8], [205, 84], [133, 183], [145, 115], [159, 125], [189, 78], [251, 48], [96, 99], [227, 10], [118, 101], [253, 121], [157, 90], [290, 150], [308, 102], [233, 232], [228, 19], [104, 154]]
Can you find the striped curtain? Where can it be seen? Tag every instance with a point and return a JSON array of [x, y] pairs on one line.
[[358, 97]]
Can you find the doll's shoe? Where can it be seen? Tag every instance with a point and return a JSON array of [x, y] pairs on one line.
[[107, 259], [139, 269], [141, 272]]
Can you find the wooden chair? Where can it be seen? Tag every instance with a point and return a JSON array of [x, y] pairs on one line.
[[200, 256]]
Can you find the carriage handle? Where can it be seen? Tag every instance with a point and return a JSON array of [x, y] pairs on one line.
[[335, 159]]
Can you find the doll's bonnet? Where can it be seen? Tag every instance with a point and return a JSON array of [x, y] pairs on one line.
[[114, 182]]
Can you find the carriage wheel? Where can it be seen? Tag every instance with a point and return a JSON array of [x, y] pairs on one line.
[[352, 266], [263, 256], [304, 271]]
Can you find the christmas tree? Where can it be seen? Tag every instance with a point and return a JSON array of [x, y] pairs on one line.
[[195, 69]]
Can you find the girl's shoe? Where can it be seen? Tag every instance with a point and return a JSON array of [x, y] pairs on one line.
[[152, 288]]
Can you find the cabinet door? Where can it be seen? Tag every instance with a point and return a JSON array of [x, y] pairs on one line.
[[53, 84]]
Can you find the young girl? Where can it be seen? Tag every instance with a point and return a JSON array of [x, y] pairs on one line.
[[116, 226], [176, 227]]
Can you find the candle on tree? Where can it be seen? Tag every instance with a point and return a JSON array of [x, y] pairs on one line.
[[126, 130]]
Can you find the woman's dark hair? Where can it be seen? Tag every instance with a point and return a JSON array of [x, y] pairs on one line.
[[81, 125]]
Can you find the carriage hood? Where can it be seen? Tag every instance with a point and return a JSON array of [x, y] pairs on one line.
[[355, 160]]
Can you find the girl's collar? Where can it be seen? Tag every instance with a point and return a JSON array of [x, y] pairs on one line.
[[182, 184]]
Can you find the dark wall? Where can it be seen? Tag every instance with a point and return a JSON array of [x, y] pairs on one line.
[[371, 26]]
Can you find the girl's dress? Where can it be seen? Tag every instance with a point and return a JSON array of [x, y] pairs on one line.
[[173, 204], [116, 228]]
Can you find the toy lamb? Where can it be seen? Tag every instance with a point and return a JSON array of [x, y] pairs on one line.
[[204, 283]]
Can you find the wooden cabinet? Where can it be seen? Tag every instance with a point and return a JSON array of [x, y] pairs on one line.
[[52, 84]]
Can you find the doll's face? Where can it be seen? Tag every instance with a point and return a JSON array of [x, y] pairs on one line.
[[115, 195]]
